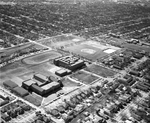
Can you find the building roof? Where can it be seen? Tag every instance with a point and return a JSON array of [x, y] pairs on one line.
[[128, 121], [50, 85], [70, 60], [54, 112], [44, 78], [39, 83], [123, 81], [10, 84], [5, 117], [21, 91], [37, 88], [29, 82], [117, 67], [17, 80], [61, 71], [134, 72], [115, 86], [4, 102], [127, 76], [147, 77], [39, 121], [138, 55], [61, 109], [77, 62], [33, 100], [25, 106]]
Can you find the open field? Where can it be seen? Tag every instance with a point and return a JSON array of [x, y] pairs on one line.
[[61, 41], [84, 77], [91, 50], [40, 58], [137, 47], [86, 51], [69, 83], [12, 70], [19, 69], [101, 71]]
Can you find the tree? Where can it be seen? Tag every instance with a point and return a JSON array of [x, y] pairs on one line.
[[124, 116]]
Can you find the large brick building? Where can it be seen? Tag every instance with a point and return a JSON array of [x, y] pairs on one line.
[[70, 62]]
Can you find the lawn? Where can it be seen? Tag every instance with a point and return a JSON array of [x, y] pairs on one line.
[[101, 71], [84, 77]]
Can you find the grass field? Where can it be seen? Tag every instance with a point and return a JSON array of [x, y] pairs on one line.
[[90, 50], [42, 57], [81, 50], [62, 40], [137, 47], [84, 77], [29, 65], [101, 71], [25, 71], [27, 75], [12, 70], [68, 83]]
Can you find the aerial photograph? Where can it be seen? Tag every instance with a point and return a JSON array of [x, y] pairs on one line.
[[74, 61]]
